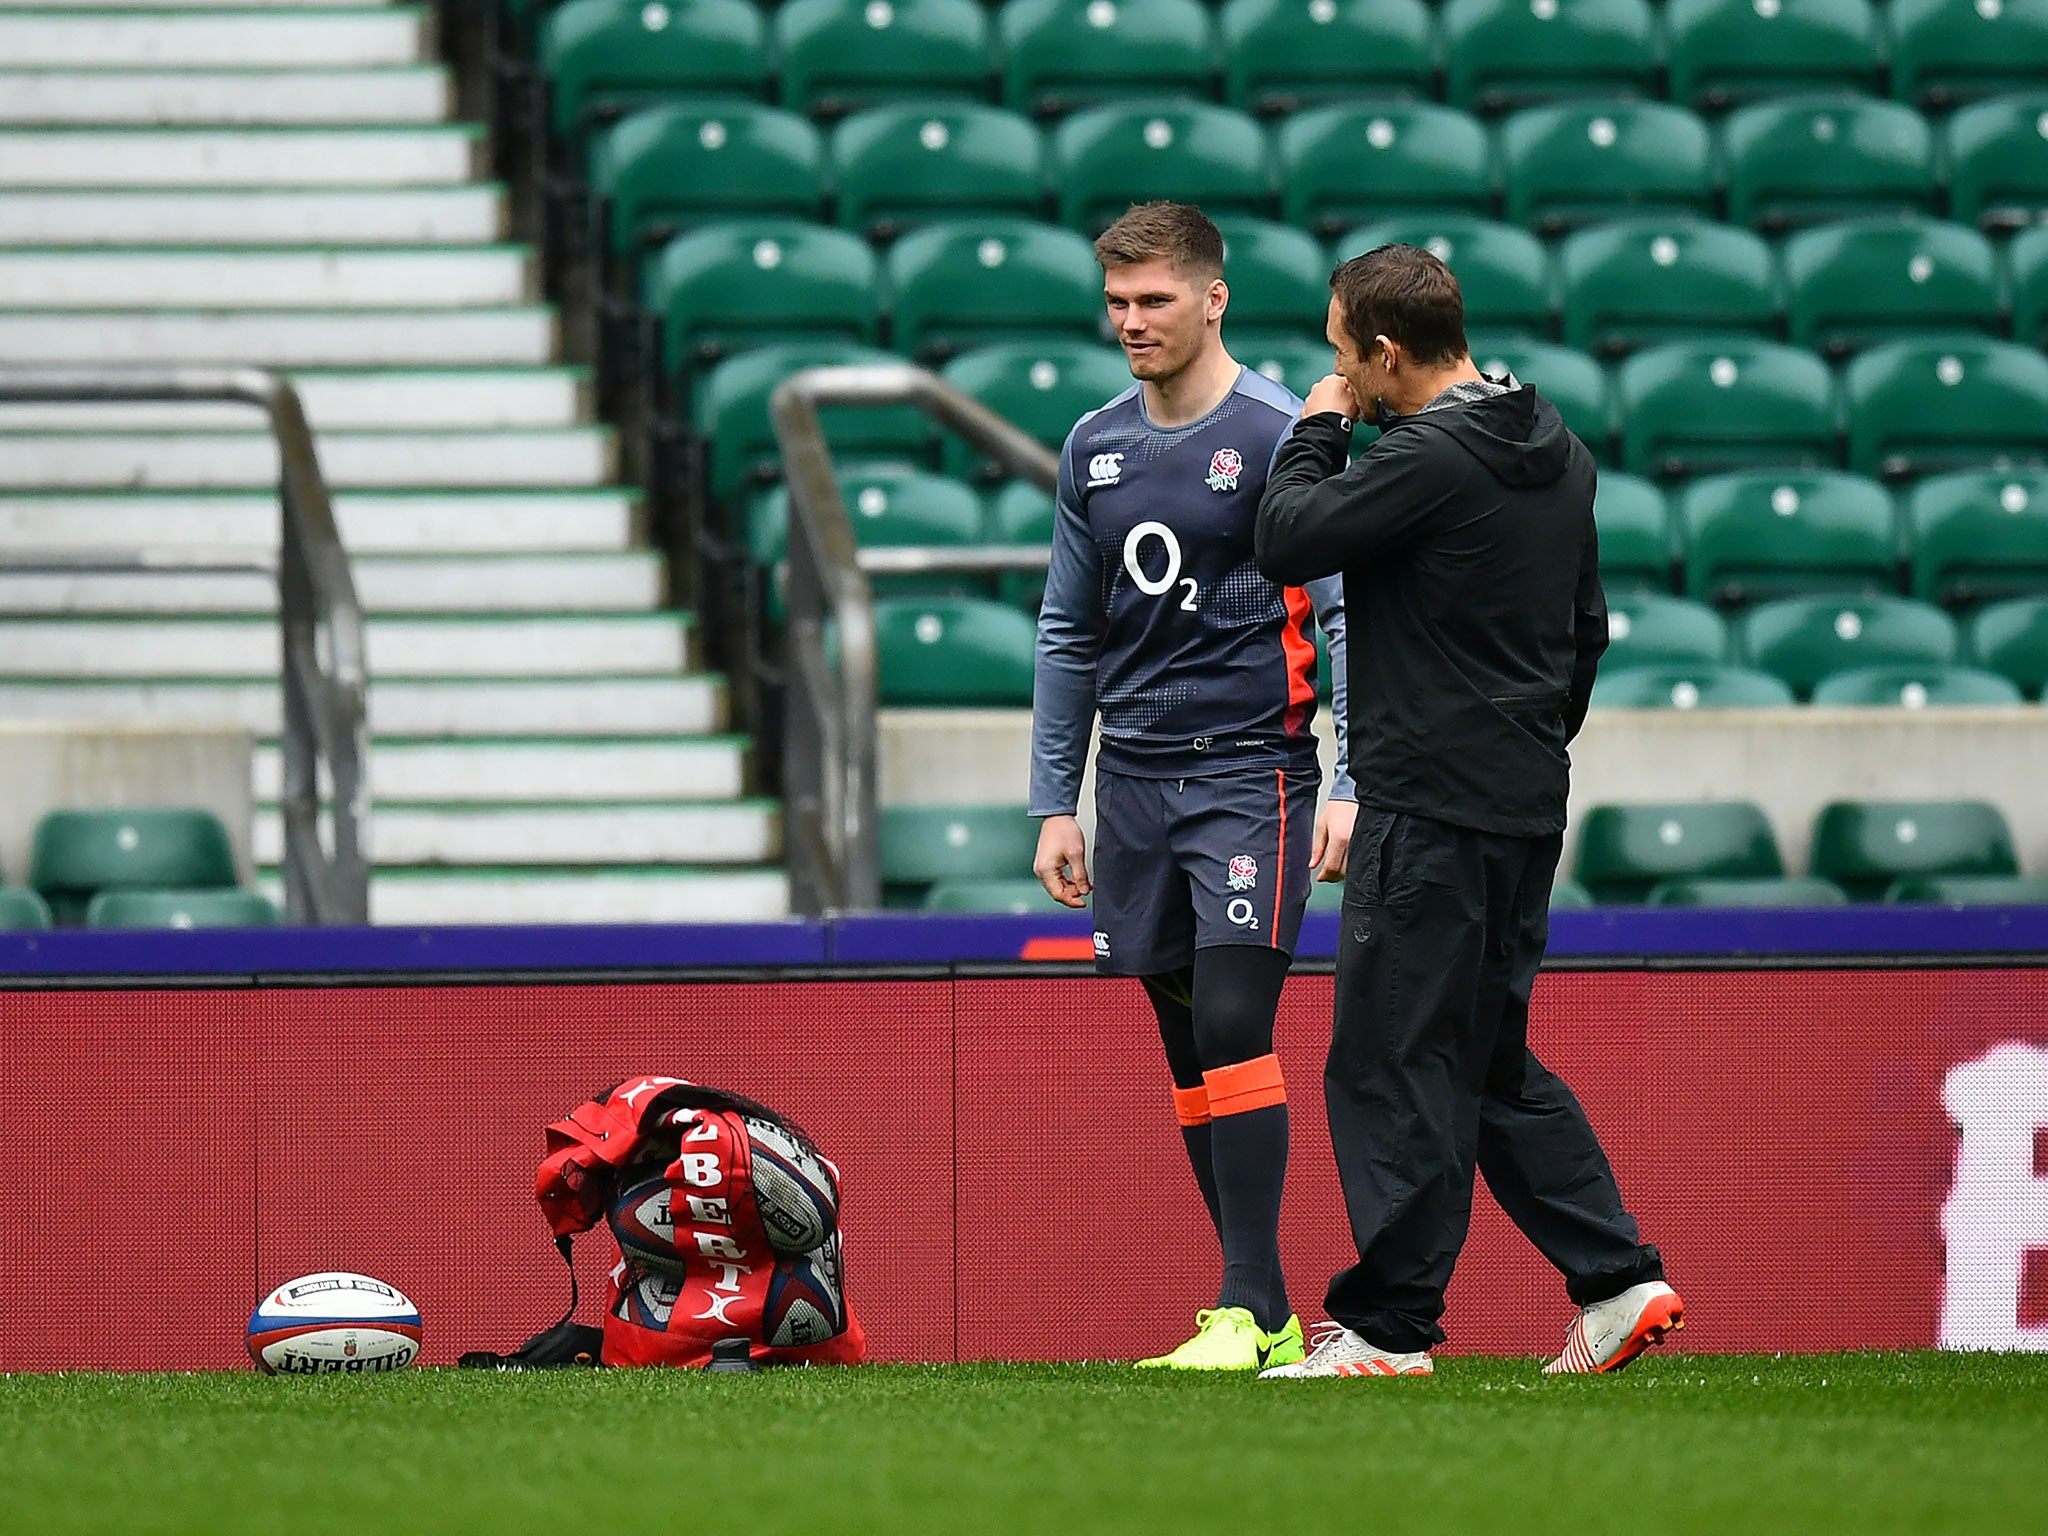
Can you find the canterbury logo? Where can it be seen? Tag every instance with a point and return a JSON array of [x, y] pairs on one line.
[[1105, 469]]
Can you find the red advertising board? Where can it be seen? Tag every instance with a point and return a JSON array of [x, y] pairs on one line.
[[1829, 1158]]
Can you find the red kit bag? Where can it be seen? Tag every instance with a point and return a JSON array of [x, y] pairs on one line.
[[672, 1166]]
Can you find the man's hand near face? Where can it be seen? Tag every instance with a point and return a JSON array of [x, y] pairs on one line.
[[1331, 393]]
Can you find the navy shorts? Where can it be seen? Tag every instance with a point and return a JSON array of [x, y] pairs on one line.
[[1188, 864]]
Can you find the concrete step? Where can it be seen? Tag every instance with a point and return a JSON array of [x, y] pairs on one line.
[[265, 279], [519, 337], [672, 705], [650, 644], [665, 894], [370, 522], [417, 400], [542, 769], [193, 98], [240, 157], [715, 832], [246, 38], [628, 582], [473, 214], [524, 456]]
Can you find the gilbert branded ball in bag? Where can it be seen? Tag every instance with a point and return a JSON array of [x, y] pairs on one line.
[[728, 1225]]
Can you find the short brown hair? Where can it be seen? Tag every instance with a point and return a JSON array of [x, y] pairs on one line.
[[1177, 232], [1407, 295]]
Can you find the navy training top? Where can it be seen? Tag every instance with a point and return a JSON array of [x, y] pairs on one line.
[[1156, 614]]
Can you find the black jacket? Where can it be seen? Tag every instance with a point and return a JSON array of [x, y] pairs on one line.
[[1472, 594]]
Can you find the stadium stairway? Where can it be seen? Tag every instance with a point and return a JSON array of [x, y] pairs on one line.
[[281, 184]]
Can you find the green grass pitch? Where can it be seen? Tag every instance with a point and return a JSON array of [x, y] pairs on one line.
[[1847, 1445]]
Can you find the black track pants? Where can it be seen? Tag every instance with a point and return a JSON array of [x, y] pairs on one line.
[[1430, 1073]]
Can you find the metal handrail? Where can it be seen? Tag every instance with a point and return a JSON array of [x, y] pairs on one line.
[[324, 676], [831, 830]]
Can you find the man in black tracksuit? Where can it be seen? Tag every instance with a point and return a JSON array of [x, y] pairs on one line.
[[1476, 619]]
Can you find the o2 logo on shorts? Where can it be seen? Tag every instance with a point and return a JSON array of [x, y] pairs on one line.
[[1240, 913]]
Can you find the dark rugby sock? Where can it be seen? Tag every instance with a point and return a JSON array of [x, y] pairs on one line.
[[1170, 1002], [1191, 1105], [1248, 1146]]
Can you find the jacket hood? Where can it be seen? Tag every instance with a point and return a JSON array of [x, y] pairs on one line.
[[1518, 435]]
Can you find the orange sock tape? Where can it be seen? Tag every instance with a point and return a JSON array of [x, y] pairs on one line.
[[1191, 1105], [1248, 1085]]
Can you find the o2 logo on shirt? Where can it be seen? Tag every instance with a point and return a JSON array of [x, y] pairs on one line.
[[1155, 586], [1225, 465]]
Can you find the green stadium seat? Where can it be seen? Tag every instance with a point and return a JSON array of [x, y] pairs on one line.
[[1631, 285], [729, 415], [1282, 55], [1503, 271], [1021, 897], [1568, 379], [1565, 896], [1866, 845], [1502, 54], [1725, 53], [23, 911], [601, 58], [1754, 535], [2011, 639], [954, 651], [1653, 629], [1787, 892], [1997, 162], [887, 504], [1695, 687], [1915, 407], [975, 281], [1914, 688], [752, 282], [78, 853], [840, 55], [1043, 388], [1945, 51], [1058, 55], [1107, 158], [1978, 535], [1297, 364], [1851, 284], [1971, 890], [1564, 166], [1698, 406], [1811, 158], [1625, 850], [1637, 549], [1343, 165], [222, 908], [676, 167], [1279, 284], [2027, 257], [924, 845], [1804, 639], [900, 166], [1021, 513]]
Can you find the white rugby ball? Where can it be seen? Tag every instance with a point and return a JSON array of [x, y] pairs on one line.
[[795, 1189], [333, 1323]]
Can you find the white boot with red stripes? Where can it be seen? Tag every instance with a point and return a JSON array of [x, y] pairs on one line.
[[1337, 1351], [1609, 1334]]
